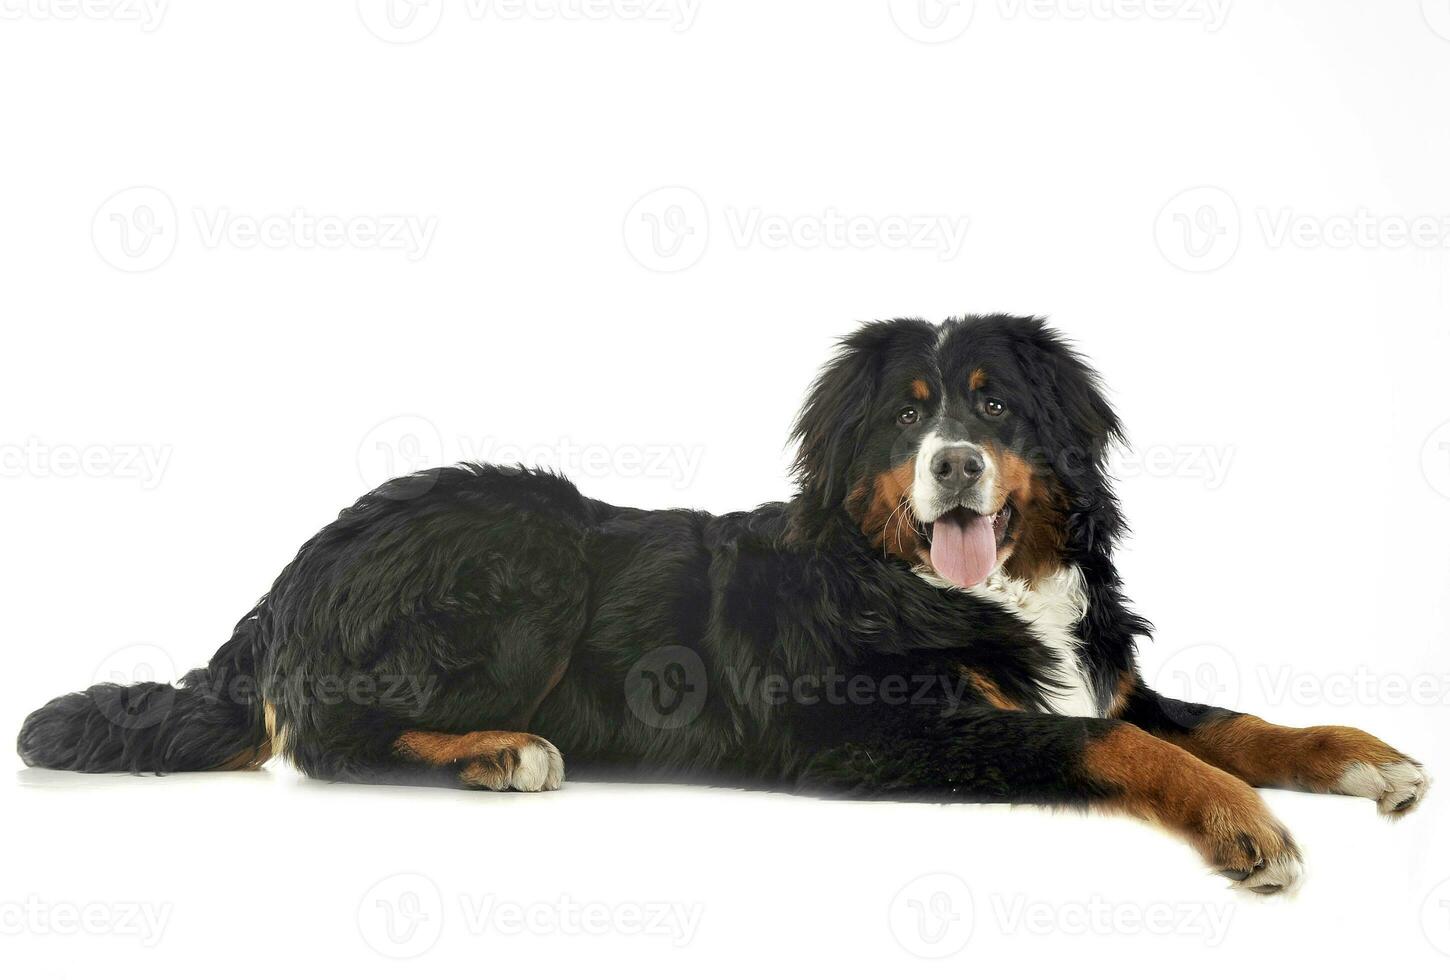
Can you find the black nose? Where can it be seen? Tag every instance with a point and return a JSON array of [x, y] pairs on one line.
[[957, 467]]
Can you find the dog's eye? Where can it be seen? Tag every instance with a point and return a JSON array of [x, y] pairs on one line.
[[908, 416], [994, 407]]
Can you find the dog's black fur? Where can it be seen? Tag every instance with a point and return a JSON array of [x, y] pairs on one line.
[[476, 598]]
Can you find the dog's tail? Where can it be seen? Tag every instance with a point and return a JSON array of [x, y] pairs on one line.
[[212, 720]]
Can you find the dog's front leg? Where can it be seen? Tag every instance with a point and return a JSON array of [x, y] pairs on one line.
[[1321, 759], [981, 754]]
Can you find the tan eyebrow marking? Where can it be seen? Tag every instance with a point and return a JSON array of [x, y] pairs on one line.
[[920, 390], [977, 378]]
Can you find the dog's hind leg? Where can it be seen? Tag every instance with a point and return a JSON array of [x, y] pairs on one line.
[[487, 760], [388, 751]]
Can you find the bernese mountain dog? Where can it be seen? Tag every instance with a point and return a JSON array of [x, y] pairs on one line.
[[935, 615]]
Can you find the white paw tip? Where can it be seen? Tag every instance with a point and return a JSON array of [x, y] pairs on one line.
[[540, 767], [1279, 875], [1407, 785], [1396, 787]]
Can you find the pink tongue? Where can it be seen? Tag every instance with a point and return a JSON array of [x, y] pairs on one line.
[[963, 548]]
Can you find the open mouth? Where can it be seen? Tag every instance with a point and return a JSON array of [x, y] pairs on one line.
[[965, 544]]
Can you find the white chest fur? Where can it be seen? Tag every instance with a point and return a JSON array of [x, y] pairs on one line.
[[1051, 611]]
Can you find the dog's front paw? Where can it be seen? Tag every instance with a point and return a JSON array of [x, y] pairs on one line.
[[1397, 786], [1344, 760], [1248, 846]]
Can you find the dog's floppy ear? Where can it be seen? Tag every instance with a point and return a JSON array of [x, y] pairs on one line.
[[833, 421], [1081, 418]]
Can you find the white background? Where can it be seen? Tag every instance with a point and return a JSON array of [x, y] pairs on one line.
[[1214, 200]]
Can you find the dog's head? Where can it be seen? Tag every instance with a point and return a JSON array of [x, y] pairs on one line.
[[976, 445]]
